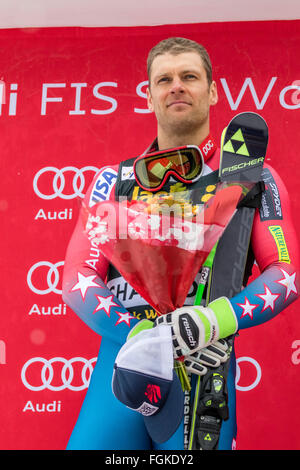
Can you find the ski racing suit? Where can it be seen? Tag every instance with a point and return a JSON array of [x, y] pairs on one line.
[[101, 297]]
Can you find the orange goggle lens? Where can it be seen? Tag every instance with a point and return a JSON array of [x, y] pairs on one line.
[[153, 169]]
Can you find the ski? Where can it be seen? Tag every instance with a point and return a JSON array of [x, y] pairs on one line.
[[243, 148], [243, 152]]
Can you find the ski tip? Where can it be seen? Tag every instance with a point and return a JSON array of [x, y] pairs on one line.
[[221, 147], [249, 115]]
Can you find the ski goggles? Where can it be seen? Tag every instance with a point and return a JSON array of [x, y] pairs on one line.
[[152, 170]]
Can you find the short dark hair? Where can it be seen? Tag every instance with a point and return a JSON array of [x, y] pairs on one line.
[[176, 46]]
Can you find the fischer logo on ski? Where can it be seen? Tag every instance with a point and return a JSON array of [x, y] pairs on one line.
[[243, 165], [237, 144]]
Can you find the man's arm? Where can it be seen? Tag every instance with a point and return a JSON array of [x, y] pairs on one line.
[[275, 247], [85, 270]]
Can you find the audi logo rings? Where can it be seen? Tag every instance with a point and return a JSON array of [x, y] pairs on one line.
[[47, 373], [52, 283], [59, 181], [47, 369]]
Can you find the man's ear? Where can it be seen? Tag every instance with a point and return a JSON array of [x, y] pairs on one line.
[[149, 100], [213, 93]]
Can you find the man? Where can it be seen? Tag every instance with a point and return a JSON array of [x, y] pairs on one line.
[[181, 92]]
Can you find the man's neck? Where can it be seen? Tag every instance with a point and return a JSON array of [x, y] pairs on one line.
[[166, 141]]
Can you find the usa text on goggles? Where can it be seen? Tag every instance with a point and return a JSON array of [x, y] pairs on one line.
[[153, 169]]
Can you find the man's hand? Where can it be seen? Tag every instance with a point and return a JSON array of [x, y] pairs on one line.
[[196, 327], [196, 363], [212, 356]]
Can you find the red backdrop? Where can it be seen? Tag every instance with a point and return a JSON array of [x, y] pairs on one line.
[[75, 101]]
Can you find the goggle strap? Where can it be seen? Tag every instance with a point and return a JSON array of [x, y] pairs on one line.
[[208, 147]]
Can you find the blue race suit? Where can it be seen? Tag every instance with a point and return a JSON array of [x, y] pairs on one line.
[[108, 305]]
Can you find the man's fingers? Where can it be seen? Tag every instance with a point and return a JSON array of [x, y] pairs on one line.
[[217, 350], [194, 367]]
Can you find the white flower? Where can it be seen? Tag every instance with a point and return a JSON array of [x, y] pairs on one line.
[[136, 230], [188, 236], [154, 222], [102, 239], [93, 218], [96, 231], [91, 221], [101, 227]]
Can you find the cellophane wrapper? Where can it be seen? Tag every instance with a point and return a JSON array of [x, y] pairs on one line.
[[159, 246]]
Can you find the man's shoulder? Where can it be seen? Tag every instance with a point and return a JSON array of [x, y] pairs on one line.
[[101, 187], [270, 174]]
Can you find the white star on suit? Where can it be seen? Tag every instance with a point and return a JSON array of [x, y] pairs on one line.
[[269, 299], [105, 303], [288, 282], [124, 317], [84, 283], [247, 308]]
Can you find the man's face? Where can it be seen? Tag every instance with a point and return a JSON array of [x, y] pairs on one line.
[[179, 93]]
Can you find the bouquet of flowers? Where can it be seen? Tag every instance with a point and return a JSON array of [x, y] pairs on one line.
[[160, 246]]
